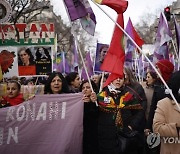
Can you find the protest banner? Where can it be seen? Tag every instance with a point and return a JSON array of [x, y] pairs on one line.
[[46, 124]]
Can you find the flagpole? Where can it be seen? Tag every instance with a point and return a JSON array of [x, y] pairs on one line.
[[79, 50], [142, 53]]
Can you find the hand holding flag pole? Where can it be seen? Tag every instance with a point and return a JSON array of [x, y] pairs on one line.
[[141, 52]]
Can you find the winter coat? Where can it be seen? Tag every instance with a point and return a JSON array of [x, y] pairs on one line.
[[158, 94], [107, 126], [165, 122], [90, 132]]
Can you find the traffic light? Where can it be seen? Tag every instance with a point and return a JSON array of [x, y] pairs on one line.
[[167, 13]]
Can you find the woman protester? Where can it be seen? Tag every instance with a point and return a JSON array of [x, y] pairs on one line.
[[166, 120], [56, 84], [13, 96], [90, 119], [165, 69], [121, 118], [73, 81]]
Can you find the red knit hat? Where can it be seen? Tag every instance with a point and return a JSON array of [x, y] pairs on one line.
[[111, 78], [166, 68]]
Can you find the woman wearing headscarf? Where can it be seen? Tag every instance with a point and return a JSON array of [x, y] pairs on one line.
[[121, 115], [167, 118]]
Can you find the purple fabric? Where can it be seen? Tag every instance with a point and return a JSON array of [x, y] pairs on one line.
[[76, 9], [163, 36], [47, 124], [74, 59], [88, 22], [129, 47], [89, 67]]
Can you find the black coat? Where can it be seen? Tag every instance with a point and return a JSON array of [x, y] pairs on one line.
[[107, 130], [158, 94], [90, 131]]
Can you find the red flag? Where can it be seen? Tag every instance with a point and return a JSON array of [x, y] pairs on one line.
[[114, 60], [119, 6], [137, 38]]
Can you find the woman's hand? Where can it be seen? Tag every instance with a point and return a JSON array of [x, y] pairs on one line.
[[147, 132], [93, 97]]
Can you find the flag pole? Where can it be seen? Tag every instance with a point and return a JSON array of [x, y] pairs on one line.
[[79, 50], [142, 53]]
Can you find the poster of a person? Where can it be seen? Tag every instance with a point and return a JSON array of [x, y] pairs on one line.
[[43, 60], [101, 51], [26, 62]]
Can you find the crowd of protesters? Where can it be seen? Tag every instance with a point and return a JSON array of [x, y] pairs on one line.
[[127, 112]]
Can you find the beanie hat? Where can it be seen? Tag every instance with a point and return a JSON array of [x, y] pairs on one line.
[[111, 78], [166, 68]]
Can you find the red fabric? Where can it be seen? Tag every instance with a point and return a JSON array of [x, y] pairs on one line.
[[111, 78], [114, 59], [119, 6], [16, 100], [166, 68], [137, 38], [27, 70]]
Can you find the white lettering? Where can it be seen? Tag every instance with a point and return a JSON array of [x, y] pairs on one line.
[[30, 111], [42, 112], [9, 114], [63, 110], [18, 116], [53, 110], [13, 135]]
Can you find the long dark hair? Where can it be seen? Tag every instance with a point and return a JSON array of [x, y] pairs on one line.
[[47, 88], [28, 51], [92, 83]]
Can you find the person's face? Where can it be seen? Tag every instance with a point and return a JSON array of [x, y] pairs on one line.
[[86, 89], [149, 79], [41, 50], [118, 83], [95, 78], [56, 85], [103, 53], [24, 57], [76, 83], [12, 90]]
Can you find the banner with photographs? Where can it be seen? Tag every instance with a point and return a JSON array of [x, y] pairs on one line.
[[26, 61]]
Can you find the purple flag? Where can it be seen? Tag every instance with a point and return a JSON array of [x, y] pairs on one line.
[[63, 66], [163, 36], [129, 46], [89, 67], [44, 125], [81, 9], [75, 8], [74, 58], [88, 22]]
